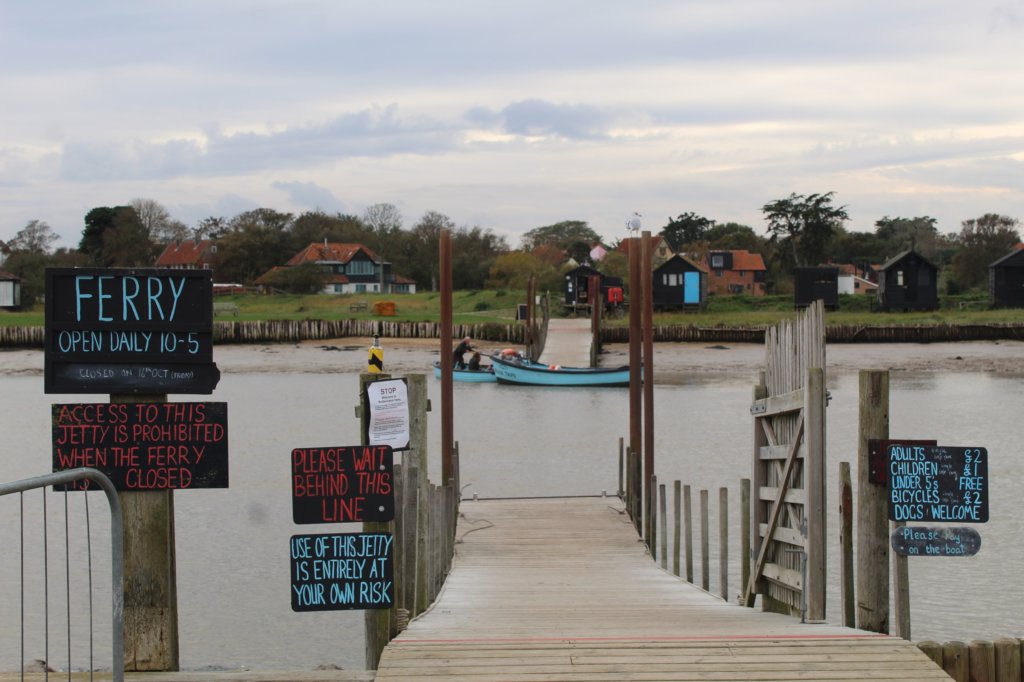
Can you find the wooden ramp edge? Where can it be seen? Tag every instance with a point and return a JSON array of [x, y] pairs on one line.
[[562, 589]]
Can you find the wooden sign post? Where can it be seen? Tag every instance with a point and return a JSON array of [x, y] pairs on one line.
[[139, 335]]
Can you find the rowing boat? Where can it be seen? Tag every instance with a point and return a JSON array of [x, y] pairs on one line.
[[519, 370]]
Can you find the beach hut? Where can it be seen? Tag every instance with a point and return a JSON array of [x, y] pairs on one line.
[[577, 287], [908, 282], [10, 290], [679, 283], [811, 284], [1006, 280]]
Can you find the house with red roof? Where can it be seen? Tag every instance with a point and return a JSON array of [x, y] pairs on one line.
[[10, 290], [350, 268], [189, 254], [735, 272]]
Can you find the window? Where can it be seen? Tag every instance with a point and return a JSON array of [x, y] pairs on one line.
[[360, 267], [899, 278], [339, 288], [718, 261], [360, 288]]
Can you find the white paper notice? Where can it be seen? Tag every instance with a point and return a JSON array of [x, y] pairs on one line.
[[389, 413]]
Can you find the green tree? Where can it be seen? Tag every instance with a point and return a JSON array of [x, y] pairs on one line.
[[425, 239], [734, 236], [307, 278], [513, 270], [574, 237], [30, 266], [257, 240], [160, 226], [474, 250], [36, 237], [982, 241], [115, 237], [899, 234], [806, 224], [685, 229], [317, 226]]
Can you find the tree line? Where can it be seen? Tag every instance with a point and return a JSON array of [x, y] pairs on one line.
[[800, 230]]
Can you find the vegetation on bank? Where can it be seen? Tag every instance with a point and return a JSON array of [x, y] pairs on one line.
[[499, 306]]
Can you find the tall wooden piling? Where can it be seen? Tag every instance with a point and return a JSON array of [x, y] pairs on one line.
[[745, 554], [447, 396], [677, 505], [377, 622], [873, 518], [635, 388], [647, 360], [723, 543], [705, 558], [688, 531]]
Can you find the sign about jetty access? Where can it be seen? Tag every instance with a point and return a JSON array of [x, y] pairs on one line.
[[342, 571], [144, 446], [348, 483], [388, 402], [130, 331], [938, 483]]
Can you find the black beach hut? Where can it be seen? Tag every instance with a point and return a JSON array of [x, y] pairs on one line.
[[816, 283], [908, 282], [1006, 280]]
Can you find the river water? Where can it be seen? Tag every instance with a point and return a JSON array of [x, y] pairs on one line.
[[232, 544]]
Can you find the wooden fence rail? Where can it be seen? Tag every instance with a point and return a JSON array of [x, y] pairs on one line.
[[282, 331], [998, 661]]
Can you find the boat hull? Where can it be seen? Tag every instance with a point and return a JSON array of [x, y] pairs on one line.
[[478, 376], [528, 373]]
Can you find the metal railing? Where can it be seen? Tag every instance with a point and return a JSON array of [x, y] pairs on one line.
[[116, 553]]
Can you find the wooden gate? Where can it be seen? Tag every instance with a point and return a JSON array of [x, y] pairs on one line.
[[788, 515]]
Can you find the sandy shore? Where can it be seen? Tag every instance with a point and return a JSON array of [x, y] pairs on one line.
[[671, 359]]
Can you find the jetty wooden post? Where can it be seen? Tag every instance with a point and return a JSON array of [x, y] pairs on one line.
[[846, 545], [956, 661], [873, 518], [663, 521], [705, 560], [758, 513], [744, 532], [688, 531], [677, 504], [652, 521], [150, 573], [635, 416], [723, 542], [1007, 650], [900, 590], [447, 400], [416, 459], [814, 482], [376, 622], [647, 359], [982, 661], [622, 465]]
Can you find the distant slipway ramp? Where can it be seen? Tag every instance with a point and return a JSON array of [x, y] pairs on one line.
[[546, 590]]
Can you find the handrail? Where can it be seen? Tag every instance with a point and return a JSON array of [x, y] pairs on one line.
[[116, 544]]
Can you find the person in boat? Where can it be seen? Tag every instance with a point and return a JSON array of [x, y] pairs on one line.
[[459, 354], [474, 361]]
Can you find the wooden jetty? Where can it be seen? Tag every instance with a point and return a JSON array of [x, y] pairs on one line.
[[568, 342], [563, 589]]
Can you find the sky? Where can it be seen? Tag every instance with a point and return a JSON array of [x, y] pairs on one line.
[[511, 115]]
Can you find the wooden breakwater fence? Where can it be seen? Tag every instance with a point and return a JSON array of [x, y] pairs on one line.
[[289, 331]]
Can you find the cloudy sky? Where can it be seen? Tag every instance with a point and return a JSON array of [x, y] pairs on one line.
[[511, 115]]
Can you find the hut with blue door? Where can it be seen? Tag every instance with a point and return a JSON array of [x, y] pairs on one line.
[[908, 281], [680, 284], [1006, 280]]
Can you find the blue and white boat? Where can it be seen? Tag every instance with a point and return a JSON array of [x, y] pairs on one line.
[[519, 370], [483, 375]]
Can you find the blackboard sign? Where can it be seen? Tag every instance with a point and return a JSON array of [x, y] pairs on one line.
[[928, 541], [342, 571], [144, 446], [938, 483], [348, 483], [145, 330]]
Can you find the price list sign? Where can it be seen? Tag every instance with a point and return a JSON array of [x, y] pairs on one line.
[[938, 483]]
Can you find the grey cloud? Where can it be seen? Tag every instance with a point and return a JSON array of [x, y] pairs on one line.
[[372, 133], [535, 117], [311, 196]]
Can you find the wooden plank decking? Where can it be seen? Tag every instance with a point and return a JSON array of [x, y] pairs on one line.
[[568, 342], [562, 589]]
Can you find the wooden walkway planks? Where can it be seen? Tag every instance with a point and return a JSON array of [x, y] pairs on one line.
[[562, 589], [568, 342]]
